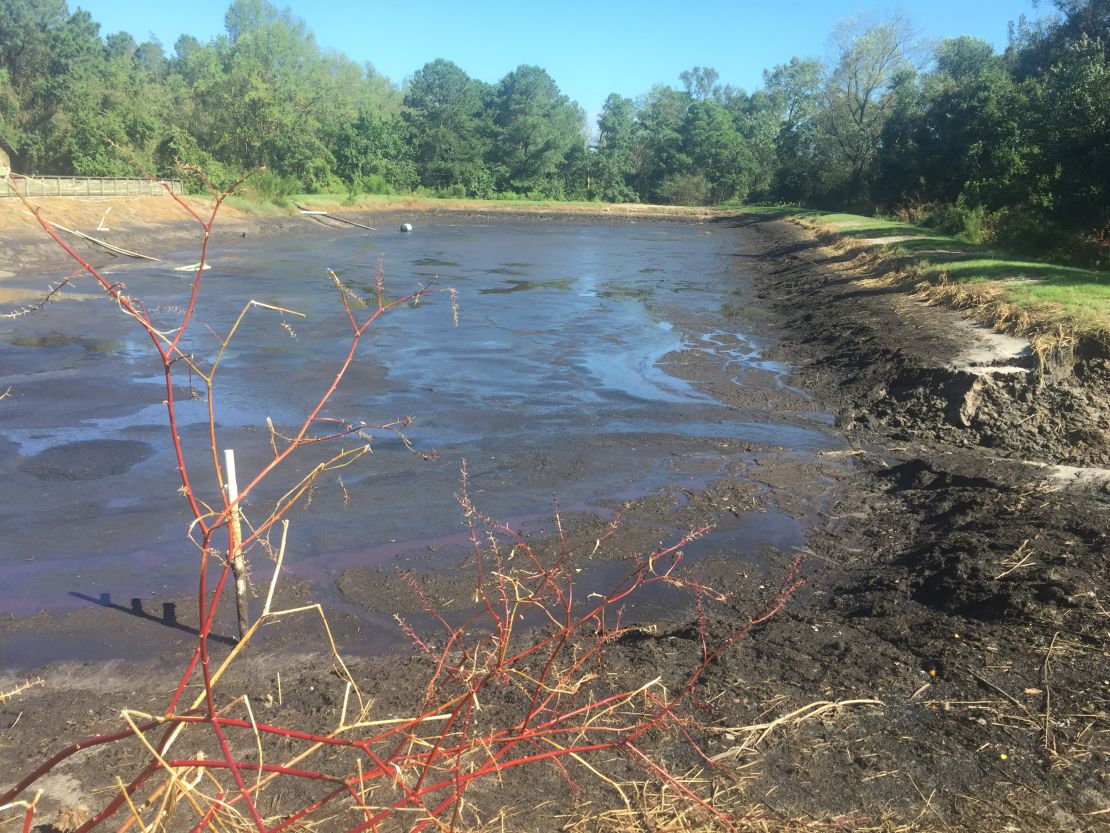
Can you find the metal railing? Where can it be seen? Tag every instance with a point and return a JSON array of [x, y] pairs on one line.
[[86, 186]]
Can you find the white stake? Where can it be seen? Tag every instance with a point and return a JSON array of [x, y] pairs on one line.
[[235, 541]]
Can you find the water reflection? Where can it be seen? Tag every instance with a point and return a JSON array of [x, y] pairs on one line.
[[102, 347], [526, 286]]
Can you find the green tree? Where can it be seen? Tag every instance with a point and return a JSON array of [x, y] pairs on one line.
[[27, 90], [659, 154], [1074, 127], [758, 123], [795, 93], [447, 128], [902, 170], [538, 128], [1080, 18], [616, 148], [858, 98], [10, 133], [715, 152], [372, 150], [273, 94], [701, 83], [970, 133]]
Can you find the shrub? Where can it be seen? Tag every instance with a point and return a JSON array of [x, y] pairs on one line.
[[368, 184], [270, 187], [684, 189], [375, 184], [971, 224], [455, 191], [179, 155]]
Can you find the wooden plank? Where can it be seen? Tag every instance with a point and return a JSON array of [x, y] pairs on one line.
[[103, 243]]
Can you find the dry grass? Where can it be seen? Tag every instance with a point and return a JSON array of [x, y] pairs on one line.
[[383, 204], [752, 736], [5, 696], [1046, 331], [656, 809]]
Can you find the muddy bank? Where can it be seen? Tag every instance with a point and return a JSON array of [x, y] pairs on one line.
[[955, 602], [896, 365], [963, 550]]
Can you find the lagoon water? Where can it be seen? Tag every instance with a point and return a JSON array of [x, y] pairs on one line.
[[557, 380]]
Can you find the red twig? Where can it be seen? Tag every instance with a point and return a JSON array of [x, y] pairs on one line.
[[209, 814]]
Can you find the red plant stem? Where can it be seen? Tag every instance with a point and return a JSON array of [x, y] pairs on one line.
[[207, 763], [165, 352], [267, 729], [195, 290], [120, 798], [207, 818], [480, 584], [205, 624], [555, 651], [58, 757], [316, 805], [460, 786], [413, 795], [210, 699], [303, 430], [459, 782], [125, 303], [289, 821], [433, 816], [790, 585], [627, 586], [431, 755], [487, 769], [189, 668], [689, 739], [678, 785]]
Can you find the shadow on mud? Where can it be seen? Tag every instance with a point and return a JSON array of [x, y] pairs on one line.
[[168, 617]]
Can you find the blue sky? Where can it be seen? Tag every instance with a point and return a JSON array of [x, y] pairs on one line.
[[590, 48]]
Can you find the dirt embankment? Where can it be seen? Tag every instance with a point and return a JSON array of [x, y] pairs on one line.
[[148, 225], [957, 593], [964, 547], [894, 364]]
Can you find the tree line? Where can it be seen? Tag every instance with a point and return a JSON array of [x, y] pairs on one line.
[[1012, 145]]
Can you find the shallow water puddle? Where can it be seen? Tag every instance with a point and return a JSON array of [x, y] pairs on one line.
[[561, 378]]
